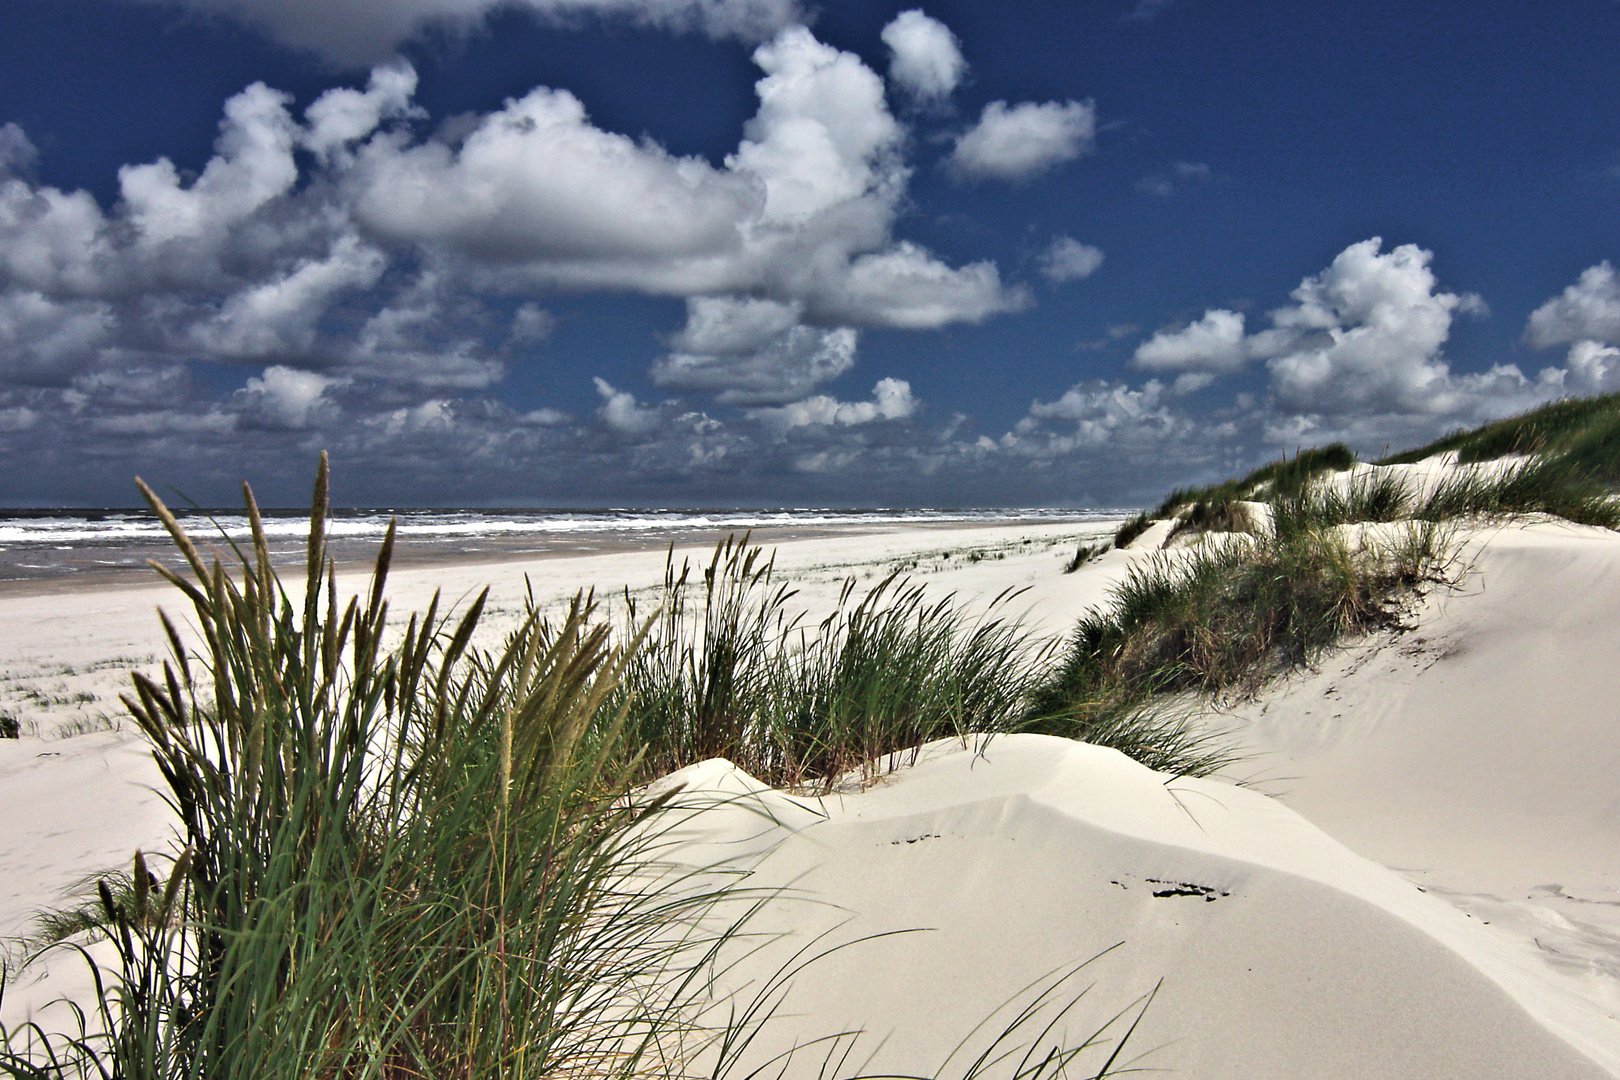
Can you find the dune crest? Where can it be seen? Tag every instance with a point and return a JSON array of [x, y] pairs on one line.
[[1282, 953]]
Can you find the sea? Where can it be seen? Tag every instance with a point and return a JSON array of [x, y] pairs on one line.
[[46, 544]]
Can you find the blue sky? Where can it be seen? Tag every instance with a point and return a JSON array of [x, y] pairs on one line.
[[753, 252]]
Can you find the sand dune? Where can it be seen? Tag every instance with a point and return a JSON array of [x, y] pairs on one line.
[[1283, 954], [1479, 752], [1475, 756]]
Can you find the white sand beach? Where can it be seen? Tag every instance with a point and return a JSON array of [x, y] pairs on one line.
[[1422, 879]]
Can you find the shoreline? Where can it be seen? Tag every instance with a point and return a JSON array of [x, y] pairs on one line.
[[359, 554]]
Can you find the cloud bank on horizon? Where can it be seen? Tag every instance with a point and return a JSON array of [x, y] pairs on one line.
[[373, 275]]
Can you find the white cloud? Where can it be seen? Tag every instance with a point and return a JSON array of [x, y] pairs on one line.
[[286, 397], [532, 324], [800, 214], [1094, 414], [822, 130], [1215, 343], [52, 241], [544, 417], [253, 164], [435, 416], [278, 318], [737, 350], [165, 423], [1021, 141], [891, 400], [1067, 259], [340, 247], [1364, 335], [16, 151], [536, 181], [359, 32], [42, 340], [342, 116], [1586, 310], [925, 59], [621, 412], [725, 324], [1591, 367], [907, 288]]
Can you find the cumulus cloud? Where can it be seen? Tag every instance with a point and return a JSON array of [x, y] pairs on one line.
[[925, 59], [1138, 426], [373, 278], [753, 352], [277, 318], [16, 151], [532, 323], [1365, 334], [536, 181], [801, 213], [253, 164], [1067, 259], [1018, 142], [1358, 354], [891, 400], [342, 116], [1215, 343], [1588, 310], [286, 397], [358, 32], [44, 341], [622, 412]]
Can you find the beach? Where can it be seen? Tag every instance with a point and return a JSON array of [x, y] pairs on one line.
[[1417, 877]]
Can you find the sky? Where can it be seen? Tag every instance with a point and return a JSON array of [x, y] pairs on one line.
[[742, 253]]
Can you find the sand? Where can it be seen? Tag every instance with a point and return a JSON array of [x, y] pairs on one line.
[[1474, 756]]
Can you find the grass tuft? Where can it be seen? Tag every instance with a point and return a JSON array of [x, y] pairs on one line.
[[1227, 516], [1582, 432], [1221, 620], [1133, 528], [1084, 554], [1288, 476], [727, 671]]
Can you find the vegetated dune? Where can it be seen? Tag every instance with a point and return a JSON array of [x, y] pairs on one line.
[[1422, 880], [1281, 953], [1478, 752]]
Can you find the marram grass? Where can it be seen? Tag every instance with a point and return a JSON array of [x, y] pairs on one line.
[[404, 856]]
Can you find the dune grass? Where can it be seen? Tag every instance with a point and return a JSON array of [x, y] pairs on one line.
[[1222, 619], [1228, 516], [404, 861], [1582, 432], [1131, 529], [1533, 486], [407, 856], [730, 673], [1084, 554], [1286, 476]]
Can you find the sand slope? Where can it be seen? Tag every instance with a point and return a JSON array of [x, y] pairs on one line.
[[1478, 753], [1282, 953]]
